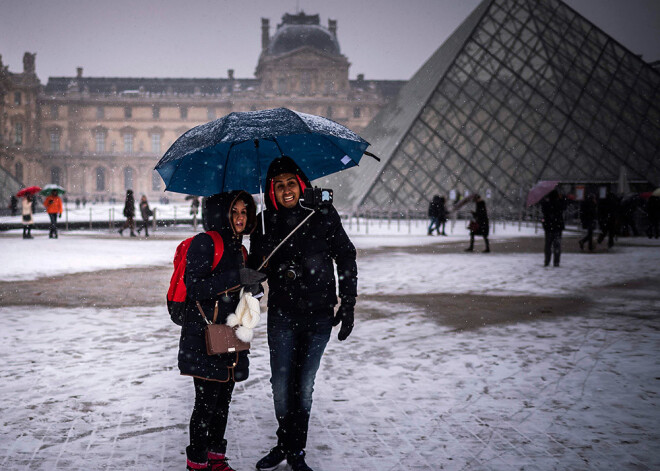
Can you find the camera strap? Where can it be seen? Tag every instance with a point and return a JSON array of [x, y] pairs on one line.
[[286, 238]]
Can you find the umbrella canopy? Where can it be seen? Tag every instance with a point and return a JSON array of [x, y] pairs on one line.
[[30, 190], [539, 190], [48, 189], [233, 152]]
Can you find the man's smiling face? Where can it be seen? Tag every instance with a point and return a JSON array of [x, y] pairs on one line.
[[286, 189]]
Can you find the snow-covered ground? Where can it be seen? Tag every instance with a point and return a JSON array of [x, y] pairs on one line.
[[99, 388]]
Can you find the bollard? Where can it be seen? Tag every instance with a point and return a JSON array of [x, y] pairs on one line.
[[175, 215], [153, 221], [66, 218], [408, 215], [90, 218], [366, 223], [110, 218]]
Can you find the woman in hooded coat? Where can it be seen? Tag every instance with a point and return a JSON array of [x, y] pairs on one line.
[[231, 215]]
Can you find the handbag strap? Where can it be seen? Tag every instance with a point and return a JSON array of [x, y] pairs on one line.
[[215, 309]]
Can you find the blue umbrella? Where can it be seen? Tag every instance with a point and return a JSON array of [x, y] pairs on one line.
[[233, 152]]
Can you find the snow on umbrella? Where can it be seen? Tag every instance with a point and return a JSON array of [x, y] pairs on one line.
[[539, 190], [234, 152], [30, 190], [656, 192], [48, 189]]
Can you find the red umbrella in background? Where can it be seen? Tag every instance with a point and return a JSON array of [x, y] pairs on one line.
[[30, 190], [539, 190]]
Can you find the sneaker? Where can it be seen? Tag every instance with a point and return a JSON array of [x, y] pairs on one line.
[[297, 462], [275, 457], [218, 462]]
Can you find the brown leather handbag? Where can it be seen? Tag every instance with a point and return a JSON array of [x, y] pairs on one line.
[[220, 338]]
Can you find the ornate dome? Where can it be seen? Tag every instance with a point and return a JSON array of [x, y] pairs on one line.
[[301, 30]]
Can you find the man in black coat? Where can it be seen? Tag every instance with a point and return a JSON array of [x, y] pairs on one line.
[[588, 214], [301, 300], [553, 207]]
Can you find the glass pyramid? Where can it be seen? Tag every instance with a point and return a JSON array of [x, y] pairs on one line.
[[523, 90]]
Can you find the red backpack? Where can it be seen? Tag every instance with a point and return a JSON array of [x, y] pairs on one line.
[[176, 294]]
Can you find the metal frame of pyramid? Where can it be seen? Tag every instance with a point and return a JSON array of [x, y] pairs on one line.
[[523, 90]]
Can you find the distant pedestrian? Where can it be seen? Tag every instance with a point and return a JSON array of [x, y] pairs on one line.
[[129, 213], [553, 207], [653, 211], [588, 215], [194, 210], [442, 216], [28, 222], [53, 206], [434, 215], [146, 213], [77, 203], [608, 209], [479, 225], [13, 205]]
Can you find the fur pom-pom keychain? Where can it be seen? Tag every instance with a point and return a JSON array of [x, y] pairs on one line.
[[247, 315]]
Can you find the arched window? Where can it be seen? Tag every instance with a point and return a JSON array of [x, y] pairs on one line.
[[56, 175], [18, 171], [100, 179], [155, 181], [128, 178]]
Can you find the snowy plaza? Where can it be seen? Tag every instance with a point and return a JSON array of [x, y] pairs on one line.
[[457, 361]]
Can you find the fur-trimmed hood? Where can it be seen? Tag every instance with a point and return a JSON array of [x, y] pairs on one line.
[[278, 166], [216, 212]]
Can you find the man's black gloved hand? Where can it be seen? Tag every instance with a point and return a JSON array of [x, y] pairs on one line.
[[345, 315], [250, 277]]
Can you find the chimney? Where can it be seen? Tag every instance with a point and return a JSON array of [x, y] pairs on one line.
[[360, 78], [332, 26], [230, 74], [265, 38], [28, 63], [79, 72]]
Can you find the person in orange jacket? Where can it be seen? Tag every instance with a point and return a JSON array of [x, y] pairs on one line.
[[53, 206]]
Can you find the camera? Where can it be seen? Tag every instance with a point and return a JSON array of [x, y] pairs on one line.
[[291, 271], [315, 198]]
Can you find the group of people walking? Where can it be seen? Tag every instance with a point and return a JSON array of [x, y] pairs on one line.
[[301, 309], [53, 205], [129, 214]]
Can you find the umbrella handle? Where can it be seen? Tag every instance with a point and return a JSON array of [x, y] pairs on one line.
[[286, 238]]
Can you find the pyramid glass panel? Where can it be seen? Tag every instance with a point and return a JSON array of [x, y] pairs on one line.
[[522, 91]]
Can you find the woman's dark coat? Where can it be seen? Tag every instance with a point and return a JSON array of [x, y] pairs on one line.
[[204, 284], [309, 253], [481, 217], [129, 205]]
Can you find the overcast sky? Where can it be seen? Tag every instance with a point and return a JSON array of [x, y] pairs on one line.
[[384, 39]]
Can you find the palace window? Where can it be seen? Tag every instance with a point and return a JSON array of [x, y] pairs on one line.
[[54, 111], [128, 112], [100, 179], [99, 138], [56, 175], [357, 112], [100, 112], [155, 181], [155, 112], [128, 178], [210, 113], [18, 134], [184, 112], [155, 143], [128, 143], [54, 141], [18, 171], [17, 98]]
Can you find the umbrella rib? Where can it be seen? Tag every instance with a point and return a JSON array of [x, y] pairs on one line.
[[224, 174]]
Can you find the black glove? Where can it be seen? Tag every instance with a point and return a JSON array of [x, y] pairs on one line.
[[250, 277], [345, 315]]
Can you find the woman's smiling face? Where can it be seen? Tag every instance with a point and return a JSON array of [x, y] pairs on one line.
[[286, 189], [239, 216]]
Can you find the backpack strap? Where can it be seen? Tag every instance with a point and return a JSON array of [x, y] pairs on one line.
[[218, 247]]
